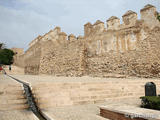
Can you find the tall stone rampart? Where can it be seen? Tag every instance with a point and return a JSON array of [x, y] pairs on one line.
[[130, 48], [61, 60]]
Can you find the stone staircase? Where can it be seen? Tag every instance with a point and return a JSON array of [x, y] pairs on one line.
[[55, 94], [11, 95]]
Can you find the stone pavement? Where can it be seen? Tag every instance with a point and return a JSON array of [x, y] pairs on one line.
[[54, 94], [17, 115], [12, 101], [87, 111], [14, 70]]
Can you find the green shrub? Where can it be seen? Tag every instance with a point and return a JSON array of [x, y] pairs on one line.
[[151, 102], [6, 56], [158, 16]]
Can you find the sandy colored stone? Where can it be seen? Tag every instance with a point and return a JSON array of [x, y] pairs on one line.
[[127, 49], [51, 92], [17, 115], [11, 95], [87, 111], [14, 70]]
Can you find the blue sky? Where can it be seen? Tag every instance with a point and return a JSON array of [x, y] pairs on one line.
[[23, 20]]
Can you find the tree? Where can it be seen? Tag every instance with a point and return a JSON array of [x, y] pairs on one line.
[[2, 46], [158, 16], [6, 56]]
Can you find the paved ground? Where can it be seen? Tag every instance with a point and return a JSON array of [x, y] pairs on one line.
[[17, 115], [78, 112], [7, 87], [14, 70], [86, 112], [33, 79]]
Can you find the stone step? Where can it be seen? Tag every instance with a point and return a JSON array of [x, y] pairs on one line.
[[18, 101], [14, 92], [58, 94], [78, 93], [83, 98], [7, 89], [78, 85], [13, 106], [61, 101], [91, 89], [12, 97], [97, 98], [94, 88]]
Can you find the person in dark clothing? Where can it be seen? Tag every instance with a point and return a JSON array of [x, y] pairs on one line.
[[10, 68]]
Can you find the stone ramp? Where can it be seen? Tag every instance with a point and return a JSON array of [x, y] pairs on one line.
[[17, 115], [11, 95], [13, 104]]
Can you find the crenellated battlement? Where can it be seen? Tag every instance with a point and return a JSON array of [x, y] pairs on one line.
[[57, 29], [62, 37], [98, 30], [148, 15], [113, 23], [107, 49], [129, 18], [72, 37], [147, 7], [80, 37], [98, 26], [88, 29]]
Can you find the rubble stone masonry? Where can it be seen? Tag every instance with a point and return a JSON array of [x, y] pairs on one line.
[[131, 48]]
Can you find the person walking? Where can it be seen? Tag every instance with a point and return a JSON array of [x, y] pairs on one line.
[[10, 68]]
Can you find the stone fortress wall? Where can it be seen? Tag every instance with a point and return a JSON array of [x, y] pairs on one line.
[[130, 48], [18, 57]]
